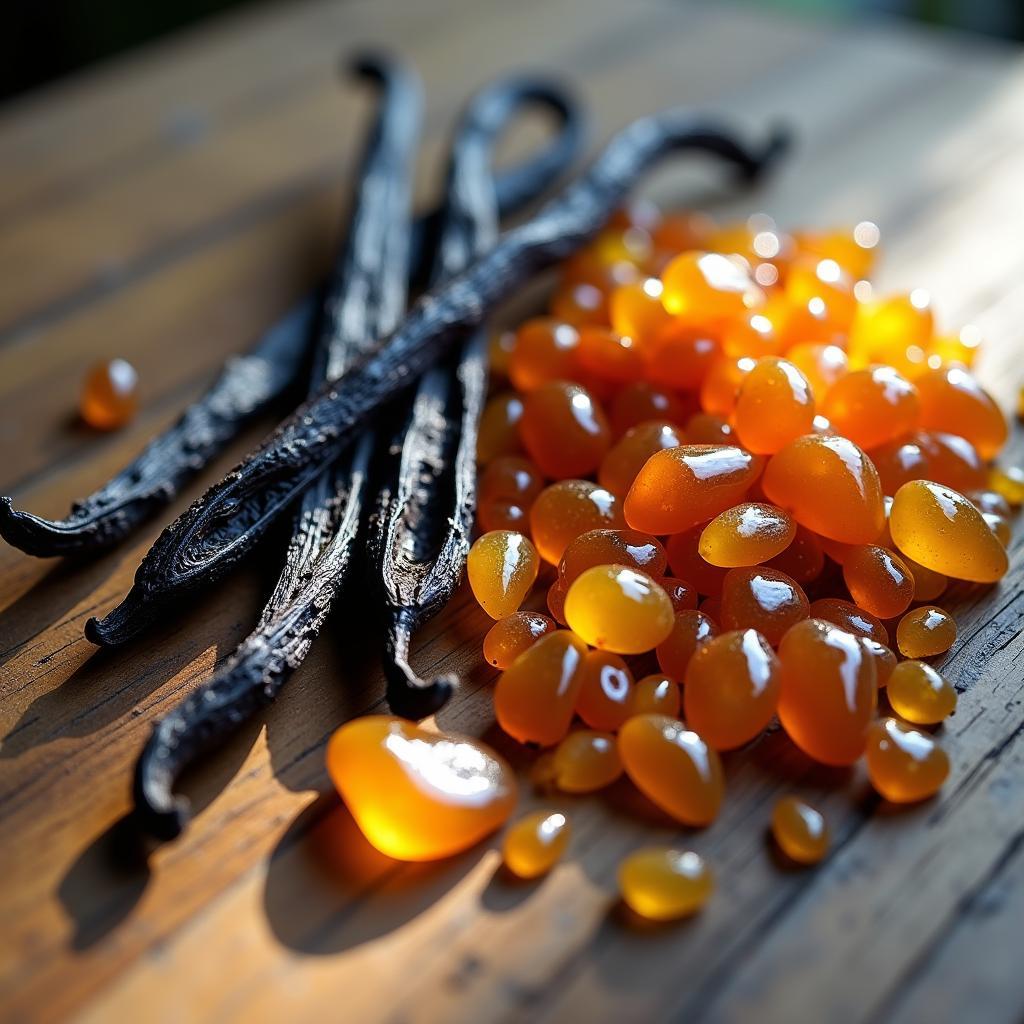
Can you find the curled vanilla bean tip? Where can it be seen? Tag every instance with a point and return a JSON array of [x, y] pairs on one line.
[[158, 812], [416, 699]]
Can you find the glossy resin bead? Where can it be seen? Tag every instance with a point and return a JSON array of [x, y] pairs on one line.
[[952, 460], [618, 609], [900, 460], [608, 356], [681, 487], [722, 382], [110, 395], [878, 580], [732, 688], [680, 355], [690, 629], [586, 761], [920, 694], [545, 350], [655, 695], [800, 830], [564, 429], [502, 567], [606, 547], [872, 406], [762, 599], [773, 407], [568, 508], [830, 486], [635, 309], [882, 656], [940, 529], [604, 700], [627, 456], [746, 534], [952, 400], [705, 428], [925, 631], [535, 697], [673, 767], [499, 427], [848, 616], [822, 365], [1008, 481], [682, 595], [536, 843], [904, 764], [642, 402], [664, 884], [511, 636], [419, 795], [829, 691], [512, 477], [708, 288]]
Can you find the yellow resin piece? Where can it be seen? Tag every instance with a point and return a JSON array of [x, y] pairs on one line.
[[536, 843], [665, 884]]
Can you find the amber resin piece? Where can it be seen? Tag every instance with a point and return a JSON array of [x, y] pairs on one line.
[[664, 884], [536, 843], [110, 395]]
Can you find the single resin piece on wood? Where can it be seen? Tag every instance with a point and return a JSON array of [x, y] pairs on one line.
[[690, 629], [762, 599], [655, 695], [872, 406], [502, 567], [904, 764], [604, 701], [627, 456], [568, 508], [512, 635], [920, 694], [829, 691], [800, 830], [586, 761], [419, 795], [564, 429], [110, 395], [673, 767], [618, 609], [664, 884], [878, 580], [746, 534], [535, 697], [612, 547], [534, 844], [732, 688], [925, 631], [773, 407]]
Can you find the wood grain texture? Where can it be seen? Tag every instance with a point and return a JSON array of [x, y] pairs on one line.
[[179, 200]]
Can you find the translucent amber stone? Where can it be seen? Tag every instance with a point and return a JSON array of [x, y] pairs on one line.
[[682, 595], [512, 635], [732, 688], [704, 428], [690, 629], [545, 350], [762, 599], [924, 632], [773, 407], [664, 884], [499, 427], [110, 395], [812, 279], [502, 567], [878, 580], [872, 406], [604, 699], [822, 365], [803, 559], [681, 487], [607, 547], [419, 795], [655, 695], [556, 602], [673, 767], [502, 514], [952, 400], [920, 694], [586, 761], [680, 355], [941, 530], [746, 534], [536, 843], [899, 461], [610, 356], [635, 309], [928, 584], [754, 334], [707, 288], [627, 456], [848, 616], [1000, 526], [535, 697], [990, 501], [800, 830], [829, 691], [722, 383], [568, 508], [904, 764], [882, 656], [618, 609], [564, 429], [952, 460], [642, 402], [686, 562], [510, 476], [830, 486], [1009, 482]]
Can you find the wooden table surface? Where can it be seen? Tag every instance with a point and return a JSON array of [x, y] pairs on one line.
[[169, 206]]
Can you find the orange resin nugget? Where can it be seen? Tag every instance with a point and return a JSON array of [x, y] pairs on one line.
[[680, 355], [941, 530], [746, 534], [655, 694], [609, 356], [703, 428], [762, 599], [812, 279], [586, 761], [673, 767], [568, 508], [952, 460], [830, 486], [110, 395], [920, 694], [829, 691], [618, 609], [686, 562], [607, 547], [800, 830], [544, 350], [635, 309], [499, 427], [509, 637], [510, 476], [732, 688], [564, 429], [682, 595], [901, 460], [556, 602], [773, 407], [952, 400], [627, 456], [503, 514], [848, 616], [707, 287], [925, 631], [855, 250], [641, 402], [882, 656], [502, 567], [722, 383], [690, 629], [536, 843], [822, 365], [904, 764], [681, 487], [928, 584], [664, 884], [887, 327], [755, 334], [1009, 482], [604, 699], [878, 580], [419, 795], [872, 406], [535, 697], [803, 559]]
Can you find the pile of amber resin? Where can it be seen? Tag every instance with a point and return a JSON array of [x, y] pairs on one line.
[[720, 447]]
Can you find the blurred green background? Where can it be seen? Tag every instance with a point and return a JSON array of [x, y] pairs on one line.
[[45, 39]]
